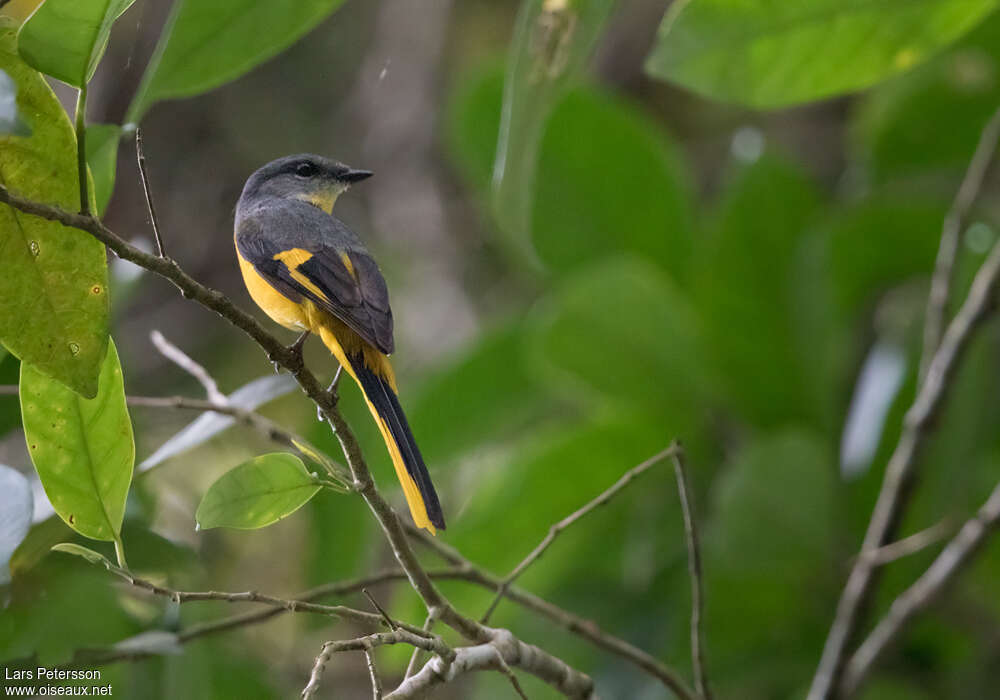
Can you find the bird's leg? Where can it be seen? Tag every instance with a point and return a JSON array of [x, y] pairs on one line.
[[331, 391]]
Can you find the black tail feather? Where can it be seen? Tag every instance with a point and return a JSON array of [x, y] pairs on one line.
[[385, 401]]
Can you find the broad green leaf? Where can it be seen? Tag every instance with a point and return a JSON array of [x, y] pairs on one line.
[[552, 41], [205, 44], [767, 54], [10, 118], [102, 157], [16, 509], [609, 181], [82, 448], [473, 122], [745, 281], [53, 293], [929, 119], [66, 38], [81, 551], [622, 330], [474, 390], [257, 493], [771, 536]]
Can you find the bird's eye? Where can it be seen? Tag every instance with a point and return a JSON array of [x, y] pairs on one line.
[[305, 170]]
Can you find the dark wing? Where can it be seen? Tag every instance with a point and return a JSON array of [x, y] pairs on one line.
[[321, 265]]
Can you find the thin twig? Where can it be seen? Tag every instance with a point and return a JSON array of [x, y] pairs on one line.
[[140, 157], [415, 656], [569, 520], [376, 683], [899, 474], [548, 668], [187, 363], [381, 610], [694, 571], [951, 232], [261, 424], [955, 557], [81, 150], [912, 544]]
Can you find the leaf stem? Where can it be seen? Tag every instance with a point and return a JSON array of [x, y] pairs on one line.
[[120, 551], [81, 149]]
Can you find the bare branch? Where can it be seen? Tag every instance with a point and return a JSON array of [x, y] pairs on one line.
[[569, 520], [186, 363], [951, 232], [415, 656], [376, 683], [898, 477], [912, 544], [579, 626], [398, 636], [140, 157], [501, 652], [953, 559], [694, 571], [381, 610]]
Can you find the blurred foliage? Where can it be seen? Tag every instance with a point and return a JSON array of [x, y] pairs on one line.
[[713, 283]]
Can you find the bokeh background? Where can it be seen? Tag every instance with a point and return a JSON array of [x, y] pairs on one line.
[[751, 283]]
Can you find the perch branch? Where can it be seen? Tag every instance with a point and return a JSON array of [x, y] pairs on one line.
[[140, 157]]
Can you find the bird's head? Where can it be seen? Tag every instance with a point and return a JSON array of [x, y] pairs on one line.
[[310, 178]]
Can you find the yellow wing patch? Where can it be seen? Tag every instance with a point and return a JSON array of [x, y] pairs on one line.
[[294, 257], [346, 259]]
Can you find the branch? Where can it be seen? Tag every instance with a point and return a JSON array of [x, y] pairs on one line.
[[572, 518], [951, 232], [140, 157], [899, 472], [501, 652], [694, 571], [187, 363], [912, 544], [376, 683], [579, 626], [399, 636], [265, 426], [290, 605], [956, 555]]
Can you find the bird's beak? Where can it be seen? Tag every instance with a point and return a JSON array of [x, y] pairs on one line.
[[356, 175]]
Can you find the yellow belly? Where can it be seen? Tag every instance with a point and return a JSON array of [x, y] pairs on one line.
[[280, 308]]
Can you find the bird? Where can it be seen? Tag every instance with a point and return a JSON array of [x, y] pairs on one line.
[[309, 272]]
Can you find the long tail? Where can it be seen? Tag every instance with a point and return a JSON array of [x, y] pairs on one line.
[[383, 402]]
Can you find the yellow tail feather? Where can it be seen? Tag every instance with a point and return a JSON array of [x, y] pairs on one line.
[[413, 498]]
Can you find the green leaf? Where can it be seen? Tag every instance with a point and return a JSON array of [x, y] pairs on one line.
[[767, 54], [102, 157], [81, 551], [624, 331], [82, 448], [16, 509], [749, 307], [66, 38], [53, 293], [552, 41], [771, 536], [609, 181], [206, 44], [257, 493], [10, 117]]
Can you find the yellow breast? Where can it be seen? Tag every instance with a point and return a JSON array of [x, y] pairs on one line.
[[280, 308]]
